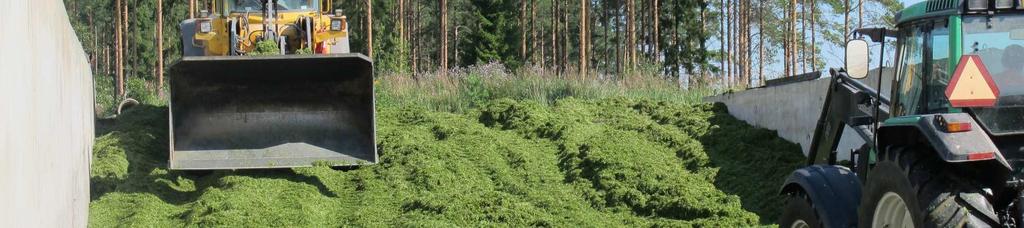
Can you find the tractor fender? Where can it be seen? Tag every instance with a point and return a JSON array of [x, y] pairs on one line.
[[834, 191], [951, 147]]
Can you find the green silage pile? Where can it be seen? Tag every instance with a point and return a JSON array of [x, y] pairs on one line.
[[612, 162]]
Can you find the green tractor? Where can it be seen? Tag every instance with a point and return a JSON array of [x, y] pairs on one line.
[[945, 148]]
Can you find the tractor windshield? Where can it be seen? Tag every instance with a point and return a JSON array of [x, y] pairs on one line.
[[999, 41], [245, 6]]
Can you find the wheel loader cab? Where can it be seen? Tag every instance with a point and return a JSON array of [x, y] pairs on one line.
[[237, 27]]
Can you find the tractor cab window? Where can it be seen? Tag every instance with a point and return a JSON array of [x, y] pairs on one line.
[[923, 69], [909, 71], [999, 41]]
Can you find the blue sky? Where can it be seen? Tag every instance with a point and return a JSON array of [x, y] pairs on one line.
[[833, 55], [830, 54]]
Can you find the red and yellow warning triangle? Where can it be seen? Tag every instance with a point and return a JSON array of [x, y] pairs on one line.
[[972, 85]]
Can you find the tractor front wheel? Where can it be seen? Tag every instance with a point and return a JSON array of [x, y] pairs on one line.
[[914, 188], [799, 212]]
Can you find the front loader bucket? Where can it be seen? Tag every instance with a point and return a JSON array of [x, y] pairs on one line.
[[248, 112]]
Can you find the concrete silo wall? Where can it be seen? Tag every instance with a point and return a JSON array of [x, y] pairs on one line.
[[793, 109], [46, 118]]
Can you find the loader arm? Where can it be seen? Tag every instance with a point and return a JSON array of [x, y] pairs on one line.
[[847, 102]]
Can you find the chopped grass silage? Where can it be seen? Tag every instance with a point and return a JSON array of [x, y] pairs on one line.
[[606, 162]]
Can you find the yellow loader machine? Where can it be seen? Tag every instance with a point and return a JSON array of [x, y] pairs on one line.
[[270, 84]]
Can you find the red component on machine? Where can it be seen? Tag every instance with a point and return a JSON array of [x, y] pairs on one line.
[[972, 84]]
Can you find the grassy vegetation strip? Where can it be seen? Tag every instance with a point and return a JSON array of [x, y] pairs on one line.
[[607, 162]]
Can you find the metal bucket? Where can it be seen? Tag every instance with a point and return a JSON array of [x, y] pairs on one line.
[[250, 112]]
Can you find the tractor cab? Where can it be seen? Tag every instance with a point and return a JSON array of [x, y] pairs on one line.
[[987, 42]]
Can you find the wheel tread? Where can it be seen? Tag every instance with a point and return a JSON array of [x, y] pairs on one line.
[[948, 200]]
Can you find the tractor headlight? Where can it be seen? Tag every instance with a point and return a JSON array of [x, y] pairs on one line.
[[205, 27], [336, 24]]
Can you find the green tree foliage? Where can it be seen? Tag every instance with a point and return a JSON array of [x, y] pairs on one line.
[[496, 34], [407, 37]]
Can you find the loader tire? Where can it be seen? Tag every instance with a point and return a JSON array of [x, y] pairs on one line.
[[931, 192], [799, 212]]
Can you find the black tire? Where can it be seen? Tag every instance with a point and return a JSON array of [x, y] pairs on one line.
[[799, 208], [935, 195]]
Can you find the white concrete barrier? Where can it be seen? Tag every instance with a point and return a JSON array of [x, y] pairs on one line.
[[46, 117], [790, 109], [793, 109]]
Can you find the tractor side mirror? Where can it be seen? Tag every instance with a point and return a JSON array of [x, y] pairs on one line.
[[857, 58]]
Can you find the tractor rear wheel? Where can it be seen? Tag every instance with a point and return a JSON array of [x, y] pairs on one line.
[[914, 188]]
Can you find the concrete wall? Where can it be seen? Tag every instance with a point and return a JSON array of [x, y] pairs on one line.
[[793, 109], [790, 109], [46, 119]]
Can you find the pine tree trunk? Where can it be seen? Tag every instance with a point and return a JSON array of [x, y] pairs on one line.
[[591, 21], [803, 36], [414, 36], [444, 36], [737, 42], [118, 50], [747, 43], [722, 38], [846, 19], [159, 46], [522, 29], [533, 33], [369, 28], [619, 45], [760, 42], [675, 46], [730, 33], [565, 37], [583, 39], [191, 9], [554, 38], [401, 33], [657, 30], [860, 13], [631, 24], [814, 35], [792, 30], [745, 62], [124, 46]]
